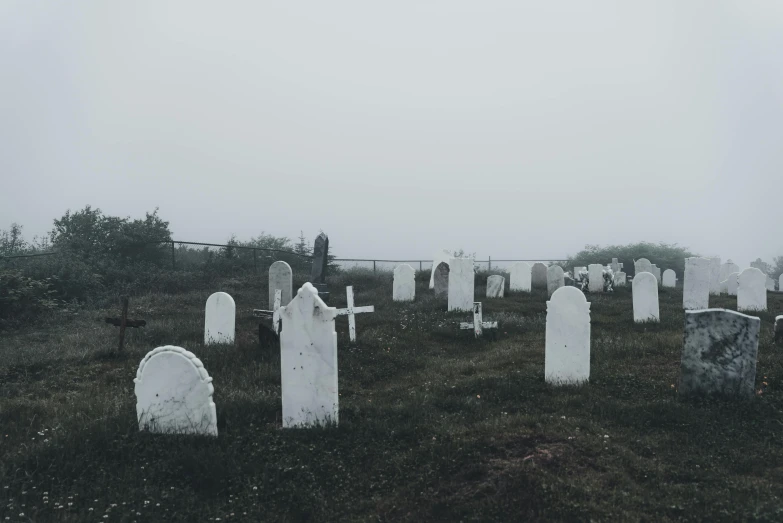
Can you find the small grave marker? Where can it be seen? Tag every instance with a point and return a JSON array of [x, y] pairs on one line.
[[350, 310], [122, 322], [478, 324]]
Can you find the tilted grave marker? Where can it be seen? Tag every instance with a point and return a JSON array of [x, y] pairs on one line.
[[350, 310], [496, 286], [122, 322], [478, 324]]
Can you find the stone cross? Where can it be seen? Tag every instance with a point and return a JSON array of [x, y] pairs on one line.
[[351, 310], [616, 267], [478, 325]]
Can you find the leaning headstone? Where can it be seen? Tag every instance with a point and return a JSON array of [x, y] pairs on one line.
[[728, 268], [496, 286], [555, 279], [440, 257], [538, 276], [308, 361], [567, 353], [174, 393], [752, 291], [714, 276], [732, 283], [696, 284], [320, 261], [669, 278], [461, 284], [595, 276], [642, 265], [719, 354], [645, 298], [620, 279], [404, 286], [519, 277], [656, 271], [280, 277], [441, 275], [219, 319], [770, 284]]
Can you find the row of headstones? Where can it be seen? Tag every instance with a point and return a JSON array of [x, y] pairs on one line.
[[706, 276], [174, 391]]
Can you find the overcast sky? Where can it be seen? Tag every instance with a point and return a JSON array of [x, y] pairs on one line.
[[511, 129]]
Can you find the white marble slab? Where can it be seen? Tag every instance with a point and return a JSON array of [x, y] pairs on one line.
[[669, 278], [496, 286], [538, 276], [645, 298], [461, 284], [442, 279], [728, 268], [440, 256], [174, 393], [404, 286], [219, 319], [642, 265], [719, 354], [696, 284], [555, 278], [732, 283], [520, 277], [752, 290], [619, 279], [595, 275], [280, 277], [567, 353], [308, 361], [714, 276]]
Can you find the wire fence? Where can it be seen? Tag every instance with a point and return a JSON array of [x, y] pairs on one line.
[[375, 264]]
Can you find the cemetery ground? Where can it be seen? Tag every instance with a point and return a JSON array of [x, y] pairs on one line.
[[434, 424]]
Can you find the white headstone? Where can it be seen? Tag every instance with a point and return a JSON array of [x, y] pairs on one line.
[[461, 284], [656, 271], [616, 266], [642, 265], [780, 283], [440, 256], [174, 393], [714, 275], [519, 277], [308, 361], [669, 278], [752, 290], [404, 286], [728, 268], [696, 284], [645, 298], [441, 272], [496, 286], [567, 354], [620, 279], [555, 278], [732, 283], [595, 275], [280, 277], [538, 276], [219, 319]]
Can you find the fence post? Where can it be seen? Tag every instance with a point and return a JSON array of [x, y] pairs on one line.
[[373, 266], [421, 267], [490, 263], [173, 266]]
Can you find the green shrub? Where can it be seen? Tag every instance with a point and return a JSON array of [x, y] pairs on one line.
[[664, 255], [22, 298]]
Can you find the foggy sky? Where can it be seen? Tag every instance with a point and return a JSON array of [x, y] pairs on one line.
[[510, 129]]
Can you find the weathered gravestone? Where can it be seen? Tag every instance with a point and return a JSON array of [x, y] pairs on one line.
[[642, 265], [478, 324], [219, 319], [752, 292], [520, 277], [595, 277], [779, 329], [538, 276], [440, 257], [669, 278], [728, 268], [616, 266], [174, 393], [404, 286], [696, 284], [656, 271], [308, 361], [496, 286], [555, 278], [719, 353], [645, 298], [714, 275], [619, 279], [280, 277], [441, 275], [732, 283], [320, 261], [461, 284], [567, 353]]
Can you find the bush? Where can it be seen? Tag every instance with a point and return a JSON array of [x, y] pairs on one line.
[[22, 298], [664, 255]]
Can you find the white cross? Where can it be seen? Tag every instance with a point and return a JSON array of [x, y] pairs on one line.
[[616, 267], [351, 310], [478, 326], [275, 312]]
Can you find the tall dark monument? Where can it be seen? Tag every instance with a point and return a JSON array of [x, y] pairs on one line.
[[320, 259]]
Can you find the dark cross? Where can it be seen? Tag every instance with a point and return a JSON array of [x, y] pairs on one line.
[[320, 259], [123, 321]]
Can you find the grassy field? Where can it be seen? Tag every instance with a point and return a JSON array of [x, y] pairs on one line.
[[434, 425]]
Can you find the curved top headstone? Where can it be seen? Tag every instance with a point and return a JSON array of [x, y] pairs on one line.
[[219, 319], [440, 257], [174, 393], [568, 298], [280, 277]]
